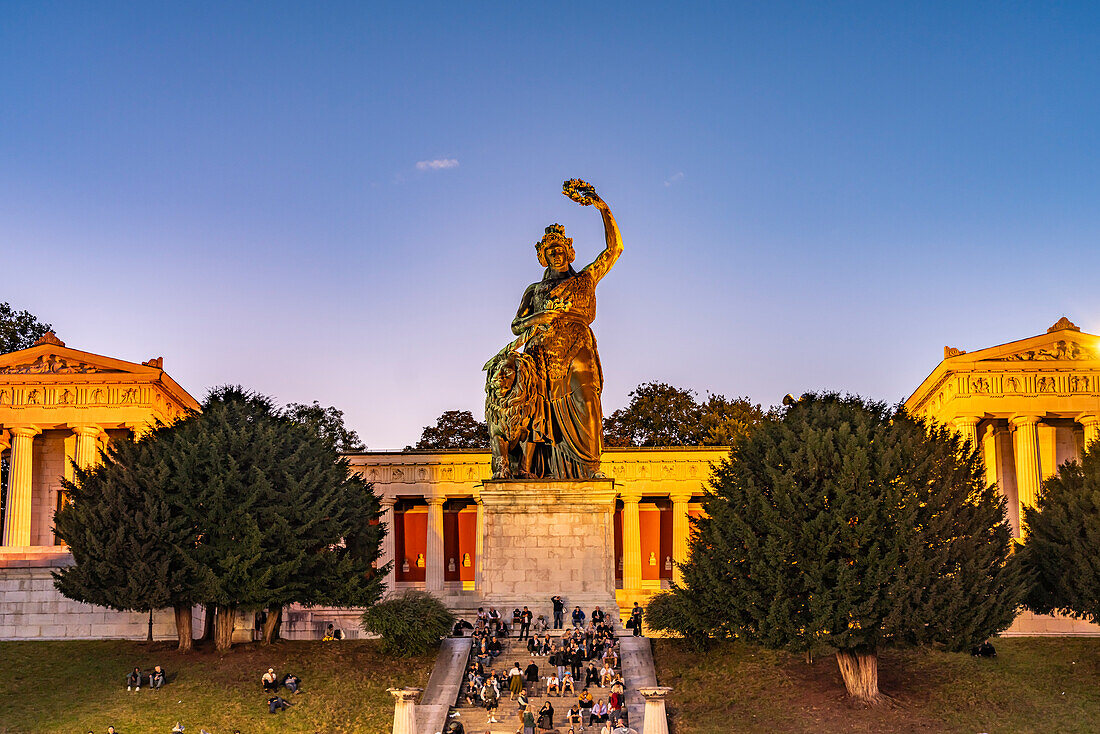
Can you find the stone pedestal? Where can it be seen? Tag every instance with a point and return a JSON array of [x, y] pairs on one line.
[[656, 718], [548, 537], [404, 711]]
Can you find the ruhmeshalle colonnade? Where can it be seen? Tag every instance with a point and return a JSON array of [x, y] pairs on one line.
[[1030, 404]]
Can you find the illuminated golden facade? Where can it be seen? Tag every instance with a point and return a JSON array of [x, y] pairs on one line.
[[59, 405], [1029, 405]]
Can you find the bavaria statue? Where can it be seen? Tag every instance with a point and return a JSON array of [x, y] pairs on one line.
[[543, 389]]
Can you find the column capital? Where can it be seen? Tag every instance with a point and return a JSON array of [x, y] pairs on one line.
[[654, 693], [387, 501], [1021, 420], [630, 495], [435, 499], [678, 497], [967, 420], [24, 431], [1088, 419], [405, 694], [86, 429]]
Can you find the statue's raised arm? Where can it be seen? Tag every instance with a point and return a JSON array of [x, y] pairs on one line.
[[585, 194]]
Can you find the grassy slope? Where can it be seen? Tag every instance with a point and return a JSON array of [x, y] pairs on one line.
[[1034, 685], [79, 686]]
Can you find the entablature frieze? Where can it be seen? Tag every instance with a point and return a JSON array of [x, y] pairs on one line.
[[1060, 382]]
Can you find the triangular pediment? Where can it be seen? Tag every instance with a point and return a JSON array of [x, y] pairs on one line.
[[54, 359], [1059, 345]]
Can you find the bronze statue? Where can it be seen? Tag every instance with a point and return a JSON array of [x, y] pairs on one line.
[[543, 404]]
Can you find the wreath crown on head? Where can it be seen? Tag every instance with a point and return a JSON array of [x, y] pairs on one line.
[[554, 235]]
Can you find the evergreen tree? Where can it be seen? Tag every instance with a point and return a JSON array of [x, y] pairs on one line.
[[1063, 541], [129, 539], [236, 507], [284, 519], [841, 524]]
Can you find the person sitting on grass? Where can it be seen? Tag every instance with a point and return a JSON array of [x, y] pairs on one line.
[[157, 678], [276, 703], [133, 680], [293, 683], [270, 681]]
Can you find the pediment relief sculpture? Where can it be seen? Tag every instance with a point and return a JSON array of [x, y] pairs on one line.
[[1061, 350], [52, 364]]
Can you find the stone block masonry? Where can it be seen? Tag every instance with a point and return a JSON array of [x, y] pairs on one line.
[[549, 537]]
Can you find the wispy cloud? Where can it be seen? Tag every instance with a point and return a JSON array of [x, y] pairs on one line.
[[437, 164], [674, 178]]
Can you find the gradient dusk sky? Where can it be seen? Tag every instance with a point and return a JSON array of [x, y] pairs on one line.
[[338, 201]]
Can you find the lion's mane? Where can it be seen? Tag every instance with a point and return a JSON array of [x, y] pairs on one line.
[[509, 415]]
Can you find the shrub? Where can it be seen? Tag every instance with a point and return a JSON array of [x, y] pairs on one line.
[[411, 623]]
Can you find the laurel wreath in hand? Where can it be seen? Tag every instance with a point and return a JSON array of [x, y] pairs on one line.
[[579, 191]]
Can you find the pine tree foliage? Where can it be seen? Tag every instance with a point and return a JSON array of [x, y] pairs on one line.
[[239, 506], [843, 524], [1063, 541], [129, 541], [284, 518]]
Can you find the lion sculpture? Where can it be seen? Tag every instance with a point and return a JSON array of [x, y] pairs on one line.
[[511, 399]]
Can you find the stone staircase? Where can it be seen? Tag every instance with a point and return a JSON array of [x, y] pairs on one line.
[[475, 719]]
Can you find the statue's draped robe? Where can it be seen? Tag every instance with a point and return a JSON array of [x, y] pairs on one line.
[[569, 422]]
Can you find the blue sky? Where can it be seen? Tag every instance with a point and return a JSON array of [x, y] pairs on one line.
[[812, 195]]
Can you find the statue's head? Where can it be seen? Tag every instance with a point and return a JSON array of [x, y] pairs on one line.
[[555, 238]]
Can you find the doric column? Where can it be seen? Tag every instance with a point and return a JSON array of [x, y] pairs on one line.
[[632, 544], [989, 455], [656, 718], [389, 547], [404, 711], [433, 557], [85, 455], [967, 426], [17, 511], [1028, 470], [681, 528], [479, 543], [1091, 424]]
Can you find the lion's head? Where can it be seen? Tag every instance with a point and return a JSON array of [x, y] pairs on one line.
[[510, 393]]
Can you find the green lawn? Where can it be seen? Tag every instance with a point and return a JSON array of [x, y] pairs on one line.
[[74, 687], [1033, 685]]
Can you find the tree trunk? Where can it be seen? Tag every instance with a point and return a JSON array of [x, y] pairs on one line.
[[208, 623], [223, 628], [271, 625], [859, 669], [183, 627]]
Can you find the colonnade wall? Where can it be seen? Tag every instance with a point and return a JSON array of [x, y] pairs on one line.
[[431, 503]]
